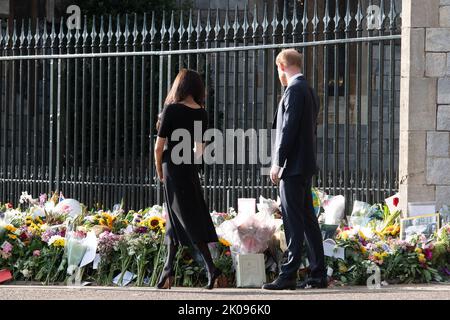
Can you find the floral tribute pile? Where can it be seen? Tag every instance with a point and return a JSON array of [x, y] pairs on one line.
[[53, 240]]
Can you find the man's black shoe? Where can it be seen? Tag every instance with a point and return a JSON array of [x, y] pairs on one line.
[[316, 283], [281, 284]]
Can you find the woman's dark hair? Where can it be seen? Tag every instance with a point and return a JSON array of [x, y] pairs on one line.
[[188, 82]]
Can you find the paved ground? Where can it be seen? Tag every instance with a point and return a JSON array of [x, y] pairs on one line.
[[401, 292]]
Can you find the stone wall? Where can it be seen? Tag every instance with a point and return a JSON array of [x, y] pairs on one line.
[[425, 102]]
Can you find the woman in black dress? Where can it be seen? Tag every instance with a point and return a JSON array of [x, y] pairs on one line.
[[189, 221]]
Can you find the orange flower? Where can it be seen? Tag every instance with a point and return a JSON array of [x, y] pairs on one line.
[[224, 242], [10, 228]]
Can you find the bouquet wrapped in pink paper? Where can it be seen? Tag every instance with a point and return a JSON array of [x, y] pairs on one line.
[[248, 233]]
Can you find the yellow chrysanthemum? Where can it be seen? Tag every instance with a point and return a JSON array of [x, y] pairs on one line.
[[224, 242], [380, 256], [342, 268], [59, 243], [422, 258], [418, 250], [12, 236], [363, 249], [33, 228]]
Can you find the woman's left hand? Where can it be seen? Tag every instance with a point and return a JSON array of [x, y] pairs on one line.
[[160, 175]]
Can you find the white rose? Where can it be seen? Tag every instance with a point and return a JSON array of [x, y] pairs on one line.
[[26, 273]]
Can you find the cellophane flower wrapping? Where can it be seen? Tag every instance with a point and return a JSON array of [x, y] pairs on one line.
[[248, 233], [334, 209], [360, 214], [267, 206], [75, 248]]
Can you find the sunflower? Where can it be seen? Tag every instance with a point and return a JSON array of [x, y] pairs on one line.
[[155, 222]]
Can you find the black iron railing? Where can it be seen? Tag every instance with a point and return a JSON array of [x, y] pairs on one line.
[[78, 107]]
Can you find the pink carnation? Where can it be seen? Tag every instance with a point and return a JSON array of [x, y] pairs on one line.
[[36, 253], [7, 247]]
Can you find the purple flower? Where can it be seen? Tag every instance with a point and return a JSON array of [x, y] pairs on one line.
[[428, 254], [48, 234], [142, 229]]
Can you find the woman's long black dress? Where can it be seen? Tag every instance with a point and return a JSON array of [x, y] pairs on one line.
[[189, 220]]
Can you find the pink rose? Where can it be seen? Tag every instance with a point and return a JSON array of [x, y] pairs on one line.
[[36, 253]]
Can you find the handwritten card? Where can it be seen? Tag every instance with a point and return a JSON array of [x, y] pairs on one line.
[[332, 250]]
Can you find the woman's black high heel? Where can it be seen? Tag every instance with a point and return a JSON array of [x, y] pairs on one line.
[[166, 280], [212, 278]]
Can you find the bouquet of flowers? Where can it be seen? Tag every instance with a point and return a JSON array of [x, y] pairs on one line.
[[268, 206], [334, 209], [248, 233]]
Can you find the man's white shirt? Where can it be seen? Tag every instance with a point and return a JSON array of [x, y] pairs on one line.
[[291, 79]]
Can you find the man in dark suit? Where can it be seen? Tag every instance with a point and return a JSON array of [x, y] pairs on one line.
[[293, 166]]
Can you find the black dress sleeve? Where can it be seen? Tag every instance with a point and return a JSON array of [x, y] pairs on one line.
[[165, 125]]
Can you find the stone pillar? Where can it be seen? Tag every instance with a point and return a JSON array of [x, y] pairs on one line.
[[425, 102]]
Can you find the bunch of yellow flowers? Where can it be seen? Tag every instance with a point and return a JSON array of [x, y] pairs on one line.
[[420, 255]]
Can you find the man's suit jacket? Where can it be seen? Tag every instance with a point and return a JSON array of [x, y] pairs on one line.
[[296, 127]]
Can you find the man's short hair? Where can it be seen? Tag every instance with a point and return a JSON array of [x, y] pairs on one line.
[[290, 57]]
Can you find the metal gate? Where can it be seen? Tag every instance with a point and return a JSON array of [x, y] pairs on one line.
[[78, 107]]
